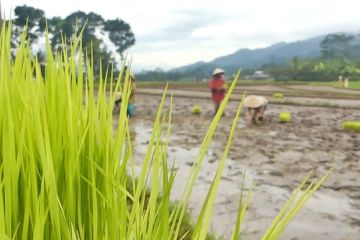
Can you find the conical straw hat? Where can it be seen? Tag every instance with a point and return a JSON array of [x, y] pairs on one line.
[[218, 71], [253, 101]]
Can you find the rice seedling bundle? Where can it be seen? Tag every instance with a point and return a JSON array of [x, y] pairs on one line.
[[278, 96], [351, 125], [196, 109], [284, 117]]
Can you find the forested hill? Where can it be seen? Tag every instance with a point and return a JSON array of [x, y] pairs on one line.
[[277, 54]]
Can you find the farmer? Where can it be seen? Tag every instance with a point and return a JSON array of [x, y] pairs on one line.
[[218, 87], [256, 107], [131, 102], [341, 81]]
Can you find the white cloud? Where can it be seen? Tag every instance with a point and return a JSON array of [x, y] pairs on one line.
[[173, 33]]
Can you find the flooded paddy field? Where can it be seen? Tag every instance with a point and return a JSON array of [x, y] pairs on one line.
[[276, 156]]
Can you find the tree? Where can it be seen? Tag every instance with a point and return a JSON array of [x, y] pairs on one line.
[[336, 46], [32, 17], [33, 21], [120, 34], [101, 56], [71, 25]]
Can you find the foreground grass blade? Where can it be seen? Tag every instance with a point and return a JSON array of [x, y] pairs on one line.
[[242, 208], [204, 218], [293, 206], [181, 207]]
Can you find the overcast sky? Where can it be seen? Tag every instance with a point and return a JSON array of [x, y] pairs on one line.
[[174, 33]]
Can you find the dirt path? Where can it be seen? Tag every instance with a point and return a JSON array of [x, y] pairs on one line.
[[277, 156], [267, 89], [324, 89], [289, 100]]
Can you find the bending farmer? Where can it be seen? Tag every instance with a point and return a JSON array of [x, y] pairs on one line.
[[256, 107]]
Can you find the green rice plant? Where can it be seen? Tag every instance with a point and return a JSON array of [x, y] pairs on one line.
[[66, 173], [351, 125], [354, 85], [196, 109], [284, 117], [292, 206], [278, 96]]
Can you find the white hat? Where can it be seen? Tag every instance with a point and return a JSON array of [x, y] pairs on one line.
[[218, 71], [253, 101]]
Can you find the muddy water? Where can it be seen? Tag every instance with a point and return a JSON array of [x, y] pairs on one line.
[[277, 156]]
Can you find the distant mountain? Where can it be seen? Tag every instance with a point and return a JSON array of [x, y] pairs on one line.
[[279, 53]]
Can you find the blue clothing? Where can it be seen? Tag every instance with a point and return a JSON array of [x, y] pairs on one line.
[[131, 110]]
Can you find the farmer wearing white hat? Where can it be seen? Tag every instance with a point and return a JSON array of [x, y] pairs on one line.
[[218, 87], [256, 107]]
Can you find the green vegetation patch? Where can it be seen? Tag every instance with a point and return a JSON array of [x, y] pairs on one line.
[[354, 85], [284, 117], [196, 109], [351, 125], [278, 96]]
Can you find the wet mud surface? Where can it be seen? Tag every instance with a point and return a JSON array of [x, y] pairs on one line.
[[276, 156]]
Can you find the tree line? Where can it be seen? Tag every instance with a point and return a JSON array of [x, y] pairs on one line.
[[339, 56]]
